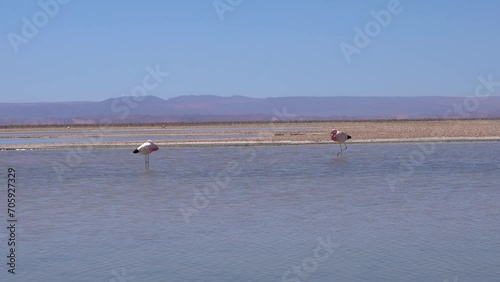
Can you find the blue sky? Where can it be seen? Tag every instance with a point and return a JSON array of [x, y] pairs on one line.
[[93, 50]]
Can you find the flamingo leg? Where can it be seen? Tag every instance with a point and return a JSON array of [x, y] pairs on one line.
[[146, 161], [340, 153]]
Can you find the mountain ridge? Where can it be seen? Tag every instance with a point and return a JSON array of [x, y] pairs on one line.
[[138, 109]]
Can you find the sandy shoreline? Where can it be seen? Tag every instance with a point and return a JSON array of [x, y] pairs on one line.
[[247, 134]]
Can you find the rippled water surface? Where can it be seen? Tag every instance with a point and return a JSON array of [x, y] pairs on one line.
[[382, 212], [100, 139]]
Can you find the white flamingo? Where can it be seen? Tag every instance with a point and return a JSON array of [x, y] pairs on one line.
[[339, 137], [145, 149]]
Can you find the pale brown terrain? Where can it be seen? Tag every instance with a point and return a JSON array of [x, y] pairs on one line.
[[251, 133]]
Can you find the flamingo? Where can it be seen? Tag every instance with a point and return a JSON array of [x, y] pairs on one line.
[[145, 149], [339, 137]]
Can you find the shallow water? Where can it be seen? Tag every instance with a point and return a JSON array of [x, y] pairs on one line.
[[100, 139], [387, 212], [85, 132]]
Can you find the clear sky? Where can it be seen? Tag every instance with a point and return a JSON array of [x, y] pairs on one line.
[[90, 50]]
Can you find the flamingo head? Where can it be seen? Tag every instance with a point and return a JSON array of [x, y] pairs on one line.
[[333, 133]]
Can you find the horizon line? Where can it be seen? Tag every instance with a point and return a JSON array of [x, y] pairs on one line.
[[232, 96]]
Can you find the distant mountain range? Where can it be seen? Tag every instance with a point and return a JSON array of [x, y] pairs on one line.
[[145, 109]]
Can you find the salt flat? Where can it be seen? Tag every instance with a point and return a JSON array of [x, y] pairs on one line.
[[247, 133]]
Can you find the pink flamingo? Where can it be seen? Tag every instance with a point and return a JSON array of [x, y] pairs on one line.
[[339, 137], [145, 149]]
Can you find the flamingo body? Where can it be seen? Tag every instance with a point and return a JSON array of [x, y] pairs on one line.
[[145, 149], [339, 137]]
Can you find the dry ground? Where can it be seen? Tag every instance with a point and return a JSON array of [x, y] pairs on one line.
[[258, 133]]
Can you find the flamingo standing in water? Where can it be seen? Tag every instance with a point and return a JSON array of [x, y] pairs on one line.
[[145, 149], [339, 137]]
